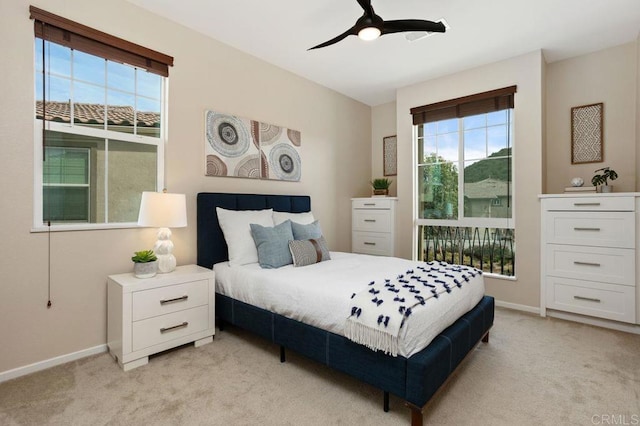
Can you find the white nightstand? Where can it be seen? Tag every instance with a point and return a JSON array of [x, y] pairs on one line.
[[146, 316], [373, 225]]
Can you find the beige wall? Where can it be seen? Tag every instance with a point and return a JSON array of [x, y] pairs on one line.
[[608, 76], [336, 153], [383, 123], [527, 73]]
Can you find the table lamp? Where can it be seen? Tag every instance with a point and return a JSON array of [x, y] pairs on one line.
[[164, 211]]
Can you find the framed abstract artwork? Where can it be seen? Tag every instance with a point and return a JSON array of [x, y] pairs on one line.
[[389, 155], [586, 134], [240, 147]]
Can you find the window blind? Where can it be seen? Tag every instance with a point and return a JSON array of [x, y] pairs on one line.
[[71, 34], [480, 103]]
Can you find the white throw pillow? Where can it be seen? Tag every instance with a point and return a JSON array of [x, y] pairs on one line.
[[301, 218], [236, 228]]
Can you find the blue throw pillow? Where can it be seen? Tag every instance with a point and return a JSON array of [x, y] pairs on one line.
[[306, 232], [272, 244]]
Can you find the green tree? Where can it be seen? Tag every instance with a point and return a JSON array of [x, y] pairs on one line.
[[496, 166], [439, 188]]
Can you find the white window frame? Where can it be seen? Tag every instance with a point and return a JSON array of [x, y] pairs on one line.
[[480, 222], [160, 142]]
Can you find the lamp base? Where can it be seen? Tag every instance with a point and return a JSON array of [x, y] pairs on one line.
[[163, 250]]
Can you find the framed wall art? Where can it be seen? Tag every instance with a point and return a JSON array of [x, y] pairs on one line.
[[389, 155], [586, 134]]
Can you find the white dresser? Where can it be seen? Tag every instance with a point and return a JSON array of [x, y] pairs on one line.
[[373, 225], [589, 256], [146, 316]]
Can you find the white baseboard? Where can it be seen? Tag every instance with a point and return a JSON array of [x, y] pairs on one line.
[[517, 307], [52, 362], [598, 322]]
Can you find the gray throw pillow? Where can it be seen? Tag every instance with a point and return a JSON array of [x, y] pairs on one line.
[[272, 244], [306, 232], [308, 252]]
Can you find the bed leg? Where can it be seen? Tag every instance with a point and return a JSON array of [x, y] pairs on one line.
[[385, 402], [282, 354], [485, 338], [416, 414], [221, 324]]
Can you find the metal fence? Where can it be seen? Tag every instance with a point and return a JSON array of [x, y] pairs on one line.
[[489, 249]]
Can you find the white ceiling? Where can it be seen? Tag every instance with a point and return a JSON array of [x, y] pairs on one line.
[[281, 31]]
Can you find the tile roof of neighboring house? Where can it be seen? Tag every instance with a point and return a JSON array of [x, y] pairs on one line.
[[94, 114], [488, 188]]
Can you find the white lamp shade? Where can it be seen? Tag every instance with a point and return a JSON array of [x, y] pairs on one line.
[[163, 210]]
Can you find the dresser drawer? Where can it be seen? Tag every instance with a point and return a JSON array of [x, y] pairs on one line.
[[610, 301], [163, 300], [604, 229], [372, 243], [369, 203], [153, 331], [600, 203], [608, 265], [371, 220]]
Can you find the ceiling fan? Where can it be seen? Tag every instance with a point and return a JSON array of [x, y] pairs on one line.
[[371, 26]]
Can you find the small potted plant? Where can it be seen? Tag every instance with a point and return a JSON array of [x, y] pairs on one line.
[[381, 186], [145, 264], [601, 179]]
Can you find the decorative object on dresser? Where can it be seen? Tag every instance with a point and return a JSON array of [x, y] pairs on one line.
[[588, 257], [241, 147], [373, 225], [163, 210], [389, 155], [586, 134], [149, 316], [601, 180], [381, 186], [145, 264]]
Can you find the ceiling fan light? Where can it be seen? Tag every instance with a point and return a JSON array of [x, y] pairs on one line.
[[369, 33]]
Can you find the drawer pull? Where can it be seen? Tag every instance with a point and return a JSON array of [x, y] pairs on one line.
[[588, 299], [366, 243], [586, 229], [586, 263], [585, 204], [369, 204], [175, 327], [369, 220], [177, 299]]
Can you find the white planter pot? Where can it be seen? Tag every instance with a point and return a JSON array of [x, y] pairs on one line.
[[145, 270], [606, 188]]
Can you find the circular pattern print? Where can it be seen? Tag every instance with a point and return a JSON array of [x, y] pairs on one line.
[[285, 162], [215, 166], [249, 167], [227, 134], [294, 137], [269, 133]]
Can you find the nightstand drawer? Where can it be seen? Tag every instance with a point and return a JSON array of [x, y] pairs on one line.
[[164, 300], [599, 203], [153, 331], [604, 229], [607, 265], [371, 220], [372, 243], [372, 203], [610, 301]]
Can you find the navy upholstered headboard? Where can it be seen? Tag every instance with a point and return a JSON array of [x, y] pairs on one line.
[[212, 248]]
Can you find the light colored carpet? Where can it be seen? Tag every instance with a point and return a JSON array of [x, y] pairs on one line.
[[533, 371]]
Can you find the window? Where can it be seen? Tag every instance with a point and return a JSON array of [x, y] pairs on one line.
[[463, 188], [99, 124]]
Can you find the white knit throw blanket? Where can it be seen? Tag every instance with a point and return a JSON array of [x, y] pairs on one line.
[[379, 312]]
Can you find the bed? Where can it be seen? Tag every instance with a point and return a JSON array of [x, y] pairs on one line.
[[415, 378]]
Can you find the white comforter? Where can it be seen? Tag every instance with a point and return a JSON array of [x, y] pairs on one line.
[[320, 294]]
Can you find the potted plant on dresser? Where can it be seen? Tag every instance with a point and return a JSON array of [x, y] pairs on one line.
[[145, 264], [601, 179], [381, 186]]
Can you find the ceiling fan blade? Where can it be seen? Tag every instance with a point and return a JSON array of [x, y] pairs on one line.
[[403, 25], [350, 31], [365, 5]]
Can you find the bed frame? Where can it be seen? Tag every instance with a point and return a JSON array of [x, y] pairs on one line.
[[415, 379]]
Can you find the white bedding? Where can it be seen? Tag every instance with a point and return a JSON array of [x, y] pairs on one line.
[[320, 294]]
